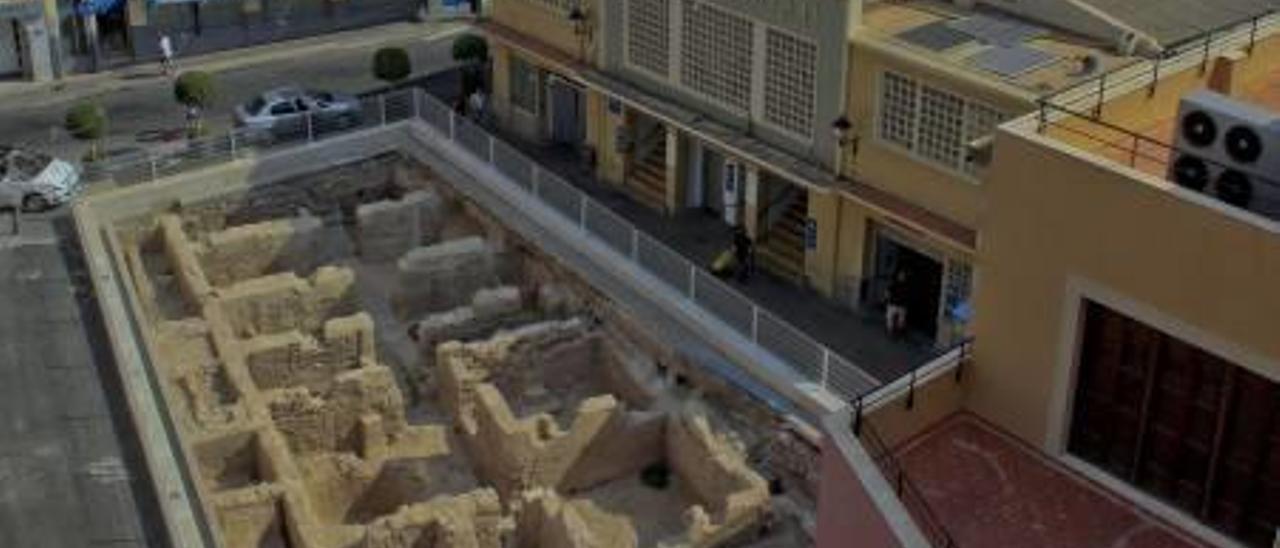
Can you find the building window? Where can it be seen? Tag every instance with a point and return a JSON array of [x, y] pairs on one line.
[[941, 126], [932, 123], [789, 82], [716, 54], [898, 110], [524, 85], [648, 35]]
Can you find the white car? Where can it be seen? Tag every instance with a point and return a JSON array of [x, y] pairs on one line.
[[34, 181]]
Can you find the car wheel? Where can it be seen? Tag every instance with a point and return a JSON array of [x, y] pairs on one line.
[[35, 203]]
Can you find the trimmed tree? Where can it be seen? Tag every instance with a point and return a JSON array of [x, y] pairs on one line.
[[473, 52], [391, 65], [196, 91], [88, 122]]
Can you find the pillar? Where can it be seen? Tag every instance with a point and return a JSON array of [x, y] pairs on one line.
[[677, 161], [753, 193], [820, 252]]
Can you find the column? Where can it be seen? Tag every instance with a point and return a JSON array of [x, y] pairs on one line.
[[677, 161], [753, 194], [821, 235]]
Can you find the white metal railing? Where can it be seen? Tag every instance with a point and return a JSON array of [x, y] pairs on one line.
[[812, 360]]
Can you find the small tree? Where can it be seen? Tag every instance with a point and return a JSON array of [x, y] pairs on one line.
[[194, 90], [88, 122], [391, 65]]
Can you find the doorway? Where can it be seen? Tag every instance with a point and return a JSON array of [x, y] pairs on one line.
[[1179, 423], [10, 47], [566, 112], [923, 281]]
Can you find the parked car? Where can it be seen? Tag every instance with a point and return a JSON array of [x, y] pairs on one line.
[[34, 181], [283, 112]]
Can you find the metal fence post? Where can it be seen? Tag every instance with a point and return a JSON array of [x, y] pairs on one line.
[[311, 130], [533, 176], [453, 125], [417, 99], [493, 159], [693, 282], [152, 160], [537, 176], [826, 365], [755, 323], [231, 136], [382, 106], [635, 244], [582, 211]]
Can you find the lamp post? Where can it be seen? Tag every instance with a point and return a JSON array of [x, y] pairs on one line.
[[842, 130]]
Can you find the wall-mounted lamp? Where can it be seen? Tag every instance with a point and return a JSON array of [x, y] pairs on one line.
[[842, 130], [581, 28]]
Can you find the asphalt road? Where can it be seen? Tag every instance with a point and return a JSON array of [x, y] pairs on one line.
[[145, 114], [71, 473]]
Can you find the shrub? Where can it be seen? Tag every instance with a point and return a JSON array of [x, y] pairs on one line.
[[391, 65], [470, 48], [195, 89], [87, 122]]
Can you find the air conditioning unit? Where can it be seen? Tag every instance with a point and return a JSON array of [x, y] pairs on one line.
[[1228, 149]]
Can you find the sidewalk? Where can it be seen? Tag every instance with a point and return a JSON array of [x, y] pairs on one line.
[[78, 86]]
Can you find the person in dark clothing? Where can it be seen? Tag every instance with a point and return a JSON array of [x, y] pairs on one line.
[[895, 311], [743, 254]]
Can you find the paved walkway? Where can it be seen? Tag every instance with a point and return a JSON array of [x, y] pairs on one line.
[[858, 336], [70, 472]]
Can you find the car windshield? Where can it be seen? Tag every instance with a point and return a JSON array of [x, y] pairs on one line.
[[256, 105], [30, 164], [321, 96]]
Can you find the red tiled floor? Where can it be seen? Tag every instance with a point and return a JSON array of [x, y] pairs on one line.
[[990, 490]]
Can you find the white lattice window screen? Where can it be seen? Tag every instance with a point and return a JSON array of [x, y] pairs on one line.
[[941, 127], [790, 67], [932, 123], [716, 54], [959, 284], [524, 85], [556, 5], [898, 110], [648, 34]]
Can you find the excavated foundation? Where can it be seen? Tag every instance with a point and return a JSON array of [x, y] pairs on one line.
[[386, 365]]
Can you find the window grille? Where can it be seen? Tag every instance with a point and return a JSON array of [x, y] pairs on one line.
[[790, 67], [716, 54], [648, 35], [932, 123], [524, 85], [898, 110]]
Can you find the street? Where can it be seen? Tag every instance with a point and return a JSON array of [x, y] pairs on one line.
[[143, 113]]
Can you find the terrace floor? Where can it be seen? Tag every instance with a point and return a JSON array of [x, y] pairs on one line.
[[859, 336], [989, 489]]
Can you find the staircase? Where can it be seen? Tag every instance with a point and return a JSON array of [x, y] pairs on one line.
[[781, 249], [647, 182]]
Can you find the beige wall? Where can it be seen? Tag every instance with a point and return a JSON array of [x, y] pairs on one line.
[[1060, 227], [535, 19], [943, 191]]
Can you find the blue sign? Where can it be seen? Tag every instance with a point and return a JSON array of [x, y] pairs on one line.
[[97, 7]]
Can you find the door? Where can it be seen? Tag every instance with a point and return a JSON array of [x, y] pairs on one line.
[[568, 123], [923, 284], [712, 180], [10, 53]]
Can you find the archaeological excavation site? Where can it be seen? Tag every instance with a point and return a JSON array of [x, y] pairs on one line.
[[365, 357]]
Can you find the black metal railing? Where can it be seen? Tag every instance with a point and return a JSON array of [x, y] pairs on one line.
[[930, 525]]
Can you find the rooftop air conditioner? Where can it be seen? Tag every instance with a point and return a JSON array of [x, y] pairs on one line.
[[1228, 149]]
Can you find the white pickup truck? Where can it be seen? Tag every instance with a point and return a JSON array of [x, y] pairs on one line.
[[34, 181]]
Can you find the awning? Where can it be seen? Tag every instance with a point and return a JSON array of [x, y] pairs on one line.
[[96, 7]]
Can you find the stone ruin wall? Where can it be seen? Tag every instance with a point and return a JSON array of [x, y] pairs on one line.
[[298, 356]]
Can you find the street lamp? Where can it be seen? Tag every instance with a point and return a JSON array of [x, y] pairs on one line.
[[842, 130]]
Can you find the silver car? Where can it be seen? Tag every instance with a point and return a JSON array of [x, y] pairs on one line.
[[293, 111], [34, 181]]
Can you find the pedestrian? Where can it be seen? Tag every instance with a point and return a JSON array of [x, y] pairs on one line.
[[476, 104], [895, 311], [743, 253], [166, 55]]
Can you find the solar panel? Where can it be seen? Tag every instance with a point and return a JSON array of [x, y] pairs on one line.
[[936, 36], [1011, 61], [1001, 31]]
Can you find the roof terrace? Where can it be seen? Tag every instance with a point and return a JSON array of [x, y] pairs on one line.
[[990, 44]]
